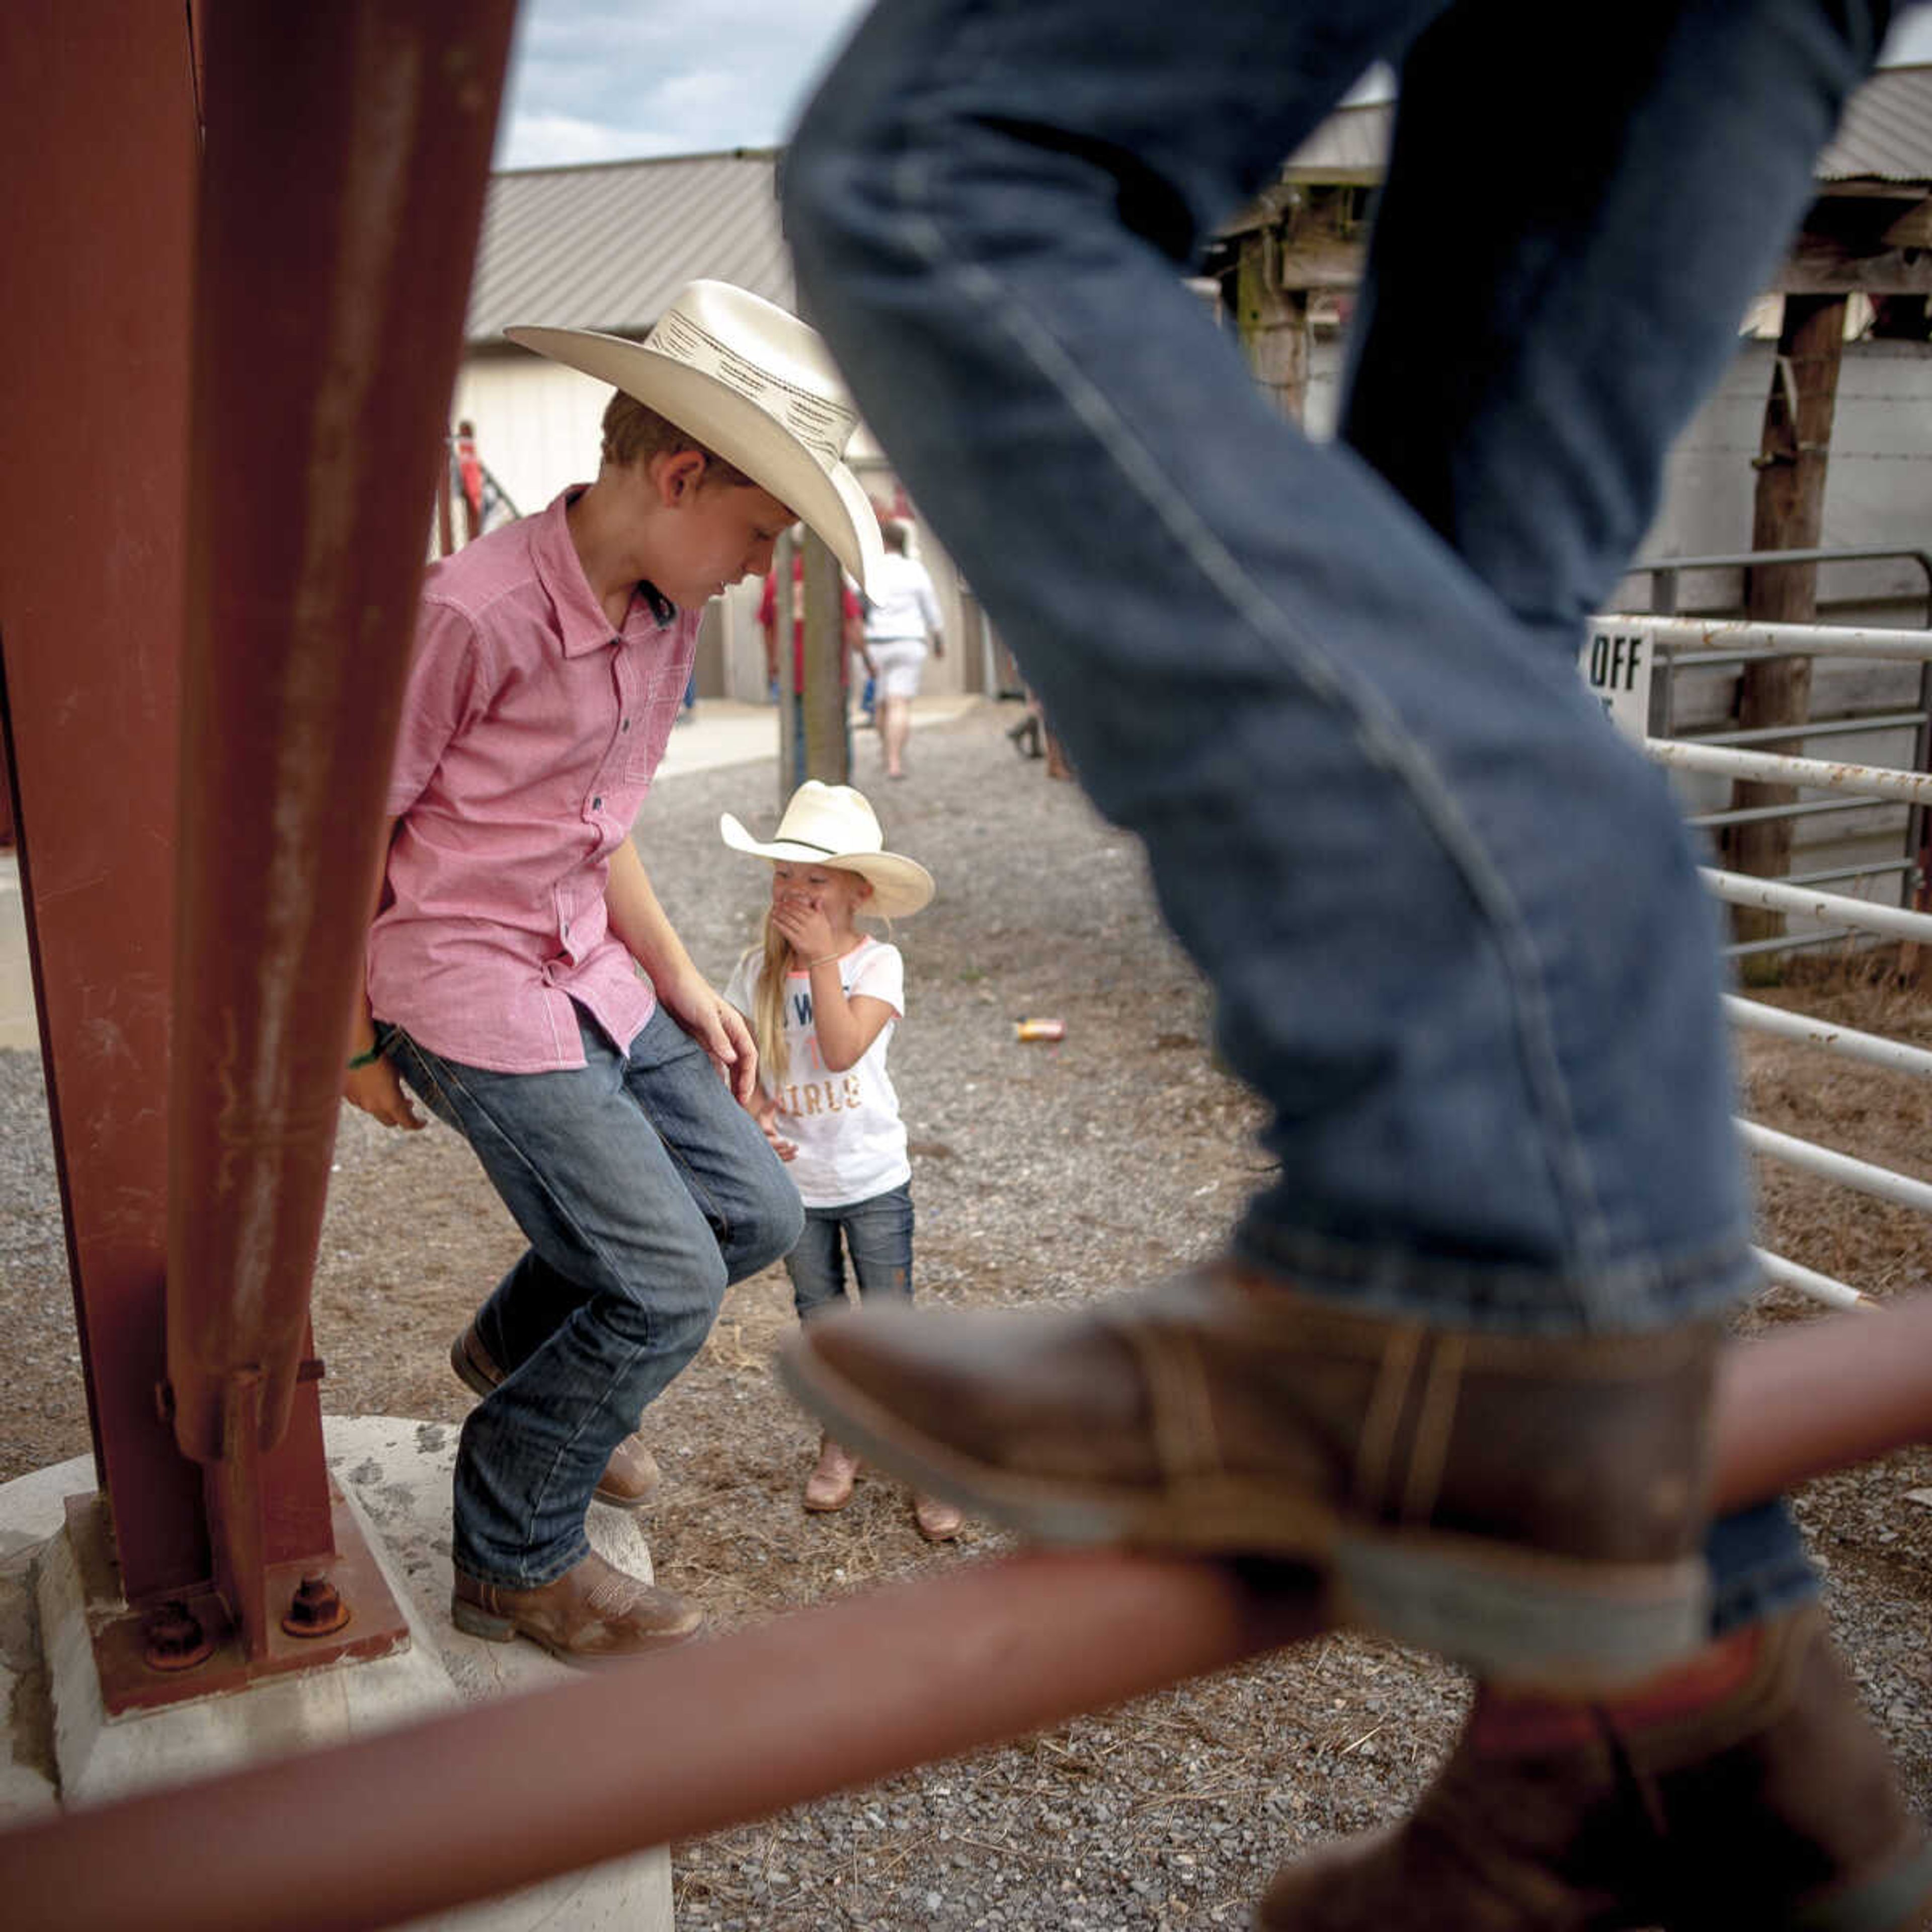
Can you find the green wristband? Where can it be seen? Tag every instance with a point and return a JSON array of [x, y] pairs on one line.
[[368, 1059]]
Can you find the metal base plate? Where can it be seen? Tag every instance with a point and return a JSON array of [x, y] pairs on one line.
[[130, 1682]]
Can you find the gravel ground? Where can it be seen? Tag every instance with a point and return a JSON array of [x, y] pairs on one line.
[[1042, 1173]]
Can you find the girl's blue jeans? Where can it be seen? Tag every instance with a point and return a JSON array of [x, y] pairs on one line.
[[875, 1234], [1452, 920], [644, 1190]]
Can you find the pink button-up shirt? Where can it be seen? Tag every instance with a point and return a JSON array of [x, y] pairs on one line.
[[530, 734]]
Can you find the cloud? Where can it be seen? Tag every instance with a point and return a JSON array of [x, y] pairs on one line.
[[610, 79], [1910, 43], [605, 79]]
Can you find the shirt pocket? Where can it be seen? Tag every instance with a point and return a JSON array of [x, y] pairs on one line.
[[645, 729]]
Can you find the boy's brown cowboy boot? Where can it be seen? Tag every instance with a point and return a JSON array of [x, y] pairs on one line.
[[1531, 1504], [1745, 1791], [594, 1613], [630, 1478]]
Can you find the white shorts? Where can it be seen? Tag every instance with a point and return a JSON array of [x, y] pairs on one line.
[[895, 666]]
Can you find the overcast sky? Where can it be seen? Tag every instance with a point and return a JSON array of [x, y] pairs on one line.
[[602, 80]]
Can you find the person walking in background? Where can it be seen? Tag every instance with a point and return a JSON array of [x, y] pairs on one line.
[[822, 1000], [524, 980], [1458, 1358], [469, 480], [1034, 737], [901, 616]]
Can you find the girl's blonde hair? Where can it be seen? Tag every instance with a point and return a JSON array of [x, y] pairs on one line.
[[768, 1013]]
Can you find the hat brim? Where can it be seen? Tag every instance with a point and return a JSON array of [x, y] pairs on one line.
[[827, 499], [901, 886]]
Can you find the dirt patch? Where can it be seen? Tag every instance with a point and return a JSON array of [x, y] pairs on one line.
[[1042, 1173]]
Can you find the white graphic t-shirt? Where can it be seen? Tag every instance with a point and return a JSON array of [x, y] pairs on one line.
[[851, 1141]]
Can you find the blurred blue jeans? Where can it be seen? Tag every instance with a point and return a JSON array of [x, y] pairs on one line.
[[875, 1234], [644, 1190], [1452, 920]]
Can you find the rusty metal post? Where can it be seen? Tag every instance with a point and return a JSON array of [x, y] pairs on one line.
[[346, 155], [97, 110]]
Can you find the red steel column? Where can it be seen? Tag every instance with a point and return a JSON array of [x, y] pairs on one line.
[[97, 144], [347, 153]]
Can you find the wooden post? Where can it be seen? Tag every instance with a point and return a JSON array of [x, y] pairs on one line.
[[783, 604], [825, 746], [1793, 450], [1274, 324]]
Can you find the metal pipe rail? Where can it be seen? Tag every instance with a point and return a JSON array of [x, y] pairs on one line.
[[1729, 639], [1845, 1041], [1786, 943], [1666, 570], [1824, 1288], [1892, 922], [1753, 814], [1876, 869], [1861, 727], [443, 1812], [1863, 1175], [1683, 642], [1827, 775]]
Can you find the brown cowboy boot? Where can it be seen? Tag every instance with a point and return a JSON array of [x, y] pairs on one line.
[[593, 1613], [630, 1478], [1745, 1791], [1530, 1504]]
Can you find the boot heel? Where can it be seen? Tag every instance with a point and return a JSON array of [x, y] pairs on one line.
[[472, 1620], [465, 1368], [1543, 1622]]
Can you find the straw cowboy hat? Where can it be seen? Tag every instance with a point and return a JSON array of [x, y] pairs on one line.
[[751, 382], [833, 825]]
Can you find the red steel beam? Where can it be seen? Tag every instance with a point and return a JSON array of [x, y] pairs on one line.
[[97, 113], [346, 156], [472, 1804]]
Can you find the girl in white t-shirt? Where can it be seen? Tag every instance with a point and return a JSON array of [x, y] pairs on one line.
[[823, 999]]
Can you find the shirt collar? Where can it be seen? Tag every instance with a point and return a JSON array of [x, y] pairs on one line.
[[581, 623]]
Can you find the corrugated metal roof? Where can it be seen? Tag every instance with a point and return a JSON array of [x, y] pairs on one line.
[[1887, 131], [1352, 145], [1886, 135], [607, 247]]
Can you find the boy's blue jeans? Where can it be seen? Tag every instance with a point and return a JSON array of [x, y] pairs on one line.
[[1452, 920], [644, 1190], [876, 1233]]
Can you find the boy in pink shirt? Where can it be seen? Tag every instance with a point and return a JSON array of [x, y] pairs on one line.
[[525, 981]]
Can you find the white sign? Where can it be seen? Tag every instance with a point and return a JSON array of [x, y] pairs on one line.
[[1616, 664]]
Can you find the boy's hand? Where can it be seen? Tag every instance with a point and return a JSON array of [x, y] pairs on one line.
[[377, 1090], [718, 1027]]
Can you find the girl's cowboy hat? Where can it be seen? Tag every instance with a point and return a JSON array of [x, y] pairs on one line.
[[833, 825], [751, 382]]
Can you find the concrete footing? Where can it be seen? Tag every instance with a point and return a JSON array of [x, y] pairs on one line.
[[65, 1751]]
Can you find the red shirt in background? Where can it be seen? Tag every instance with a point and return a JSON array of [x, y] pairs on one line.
[[768, 613]]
